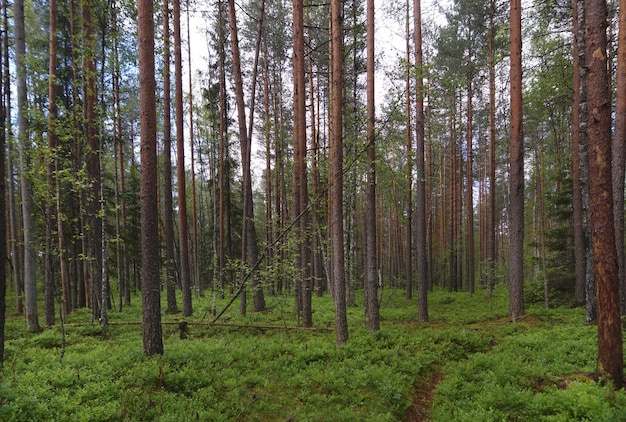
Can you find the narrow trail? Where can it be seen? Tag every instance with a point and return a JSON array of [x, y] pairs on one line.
[[419, 410]]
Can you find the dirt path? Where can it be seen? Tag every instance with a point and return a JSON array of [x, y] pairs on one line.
[[419, 411]]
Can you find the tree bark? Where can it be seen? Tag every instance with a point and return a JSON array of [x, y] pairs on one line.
[[52, 146], [3, 204], [420, 205], [183, 223], [94, 232], [409, 164], [194, 207], [150, 285], [30, 282], [223, 180], [491, 226], [300, 171], [336, 172], [516, 171], [583, 148], [610, 355], [577, 218], [619, 153], [250, 251], [168, 205], [372, 316], [469, 199]]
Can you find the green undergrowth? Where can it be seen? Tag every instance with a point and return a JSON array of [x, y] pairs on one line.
[[492, 369]]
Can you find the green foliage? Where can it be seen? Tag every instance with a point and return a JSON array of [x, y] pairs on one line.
[[539, 369], [493, 370]]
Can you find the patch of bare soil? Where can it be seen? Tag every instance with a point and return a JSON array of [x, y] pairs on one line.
[[419, 411]]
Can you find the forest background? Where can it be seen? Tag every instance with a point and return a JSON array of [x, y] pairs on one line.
[[433, 186]]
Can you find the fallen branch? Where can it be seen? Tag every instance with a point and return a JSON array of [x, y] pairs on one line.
[[206, 324]]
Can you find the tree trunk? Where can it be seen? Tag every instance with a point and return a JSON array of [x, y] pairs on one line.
[[16, 259], [94, 237], [542, 219], [409, 165], [590, 285], [619, 153], [516, 172], [194, 207], [223, 180], [3, 204], [300, 174], [420, 205], [52, 146], [249, 238], [183, 224], [372, 316], [469, 199], [610, 356], [30, 281], [452, 277], [336, 171], [168, 205], [577, 218], [150, 283]]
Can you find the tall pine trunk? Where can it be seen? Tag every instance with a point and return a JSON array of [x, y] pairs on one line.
[[150, 283], [168, 205], [336, 172], [516, 172], [619, 153], [249, 238], [583, 148], [371, 260], [50, 176], [577, 218], [300, 171], [420, 205], [409, 164], [3, 204], [183, 223], [610, 355], [30, 281]]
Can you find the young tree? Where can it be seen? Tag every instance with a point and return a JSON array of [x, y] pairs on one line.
[[150, 283], [610, 355], [336, 171], [516, 172]]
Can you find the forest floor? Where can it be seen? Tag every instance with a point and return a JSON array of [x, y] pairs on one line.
[[468, 363], [419, 410]]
